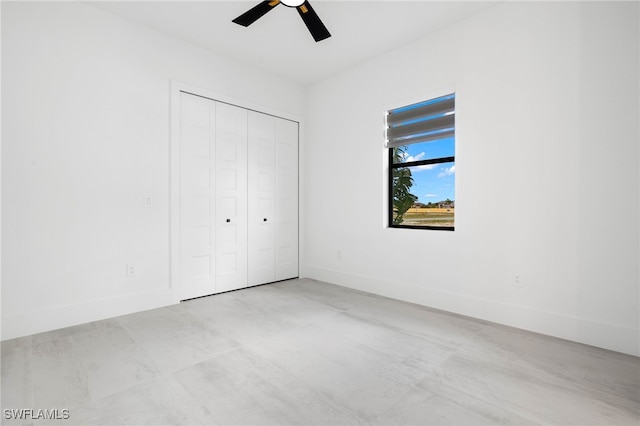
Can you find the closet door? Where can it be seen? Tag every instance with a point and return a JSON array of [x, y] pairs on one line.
[[286, 199], [262, 181], [197, 196], [238, 179], [231, 197]]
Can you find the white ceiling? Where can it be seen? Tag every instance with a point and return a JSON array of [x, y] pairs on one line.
[[279, 41]]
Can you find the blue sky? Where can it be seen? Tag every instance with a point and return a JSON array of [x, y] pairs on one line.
[[433, 182]]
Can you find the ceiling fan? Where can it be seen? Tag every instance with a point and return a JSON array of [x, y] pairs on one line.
[[308, 15]]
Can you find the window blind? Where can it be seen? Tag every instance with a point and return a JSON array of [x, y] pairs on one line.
[[422, 122]]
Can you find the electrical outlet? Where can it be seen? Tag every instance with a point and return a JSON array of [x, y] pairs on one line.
[[131, 270], [517, 280]]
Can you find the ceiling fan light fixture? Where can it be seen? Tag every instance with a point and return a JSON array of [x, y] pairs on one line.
[[310, 18], [292, 3]]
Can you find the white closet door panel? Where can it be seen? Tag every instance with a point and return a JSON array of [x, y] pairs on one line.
[[238, 185], [197, 200], [231, 197], [286, 235], [262, 134]]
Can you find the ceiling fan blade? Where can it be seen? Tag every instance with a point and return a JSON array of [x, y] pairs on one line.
[[313, 22], [255, 13]]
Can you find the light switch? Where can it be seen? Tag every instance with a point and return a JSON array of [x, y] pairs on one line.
[[148, 200]]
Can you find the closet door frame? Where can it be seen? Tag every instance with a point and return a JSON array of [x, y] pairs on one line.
[[177, 87]]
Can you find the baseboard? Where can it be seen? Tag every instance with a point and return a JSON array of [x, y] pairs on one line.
[[608, 336], [38, 321]]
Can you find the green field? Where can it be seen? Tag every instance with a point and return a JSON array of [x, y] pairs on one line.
[[429, 217]]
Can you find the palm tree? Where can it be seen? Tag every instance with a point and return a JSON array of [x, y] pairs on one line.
[[402, 182]]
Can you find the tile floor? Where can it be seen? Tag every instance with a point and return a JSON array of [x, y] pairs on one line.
[[303, 352]]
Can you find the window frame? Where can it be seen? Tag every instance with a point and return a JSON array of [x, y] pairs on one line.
[[394, 166]]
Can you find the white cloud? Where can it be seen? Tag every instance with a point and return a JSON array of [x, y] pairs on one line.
[[447, 171], [425, 167], [431, 195], [409, 158], [418, 157]]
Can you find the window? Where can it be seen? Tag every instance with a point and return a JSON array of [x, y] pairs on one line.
[[421, 144]]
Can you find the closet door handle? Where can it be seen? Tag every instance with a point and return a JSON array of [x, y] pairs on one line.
[[228, 220], [264, 220]]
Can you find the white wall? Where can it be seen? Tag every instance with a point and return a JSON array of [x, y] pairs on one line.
[[547, 181], [85, 136]]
